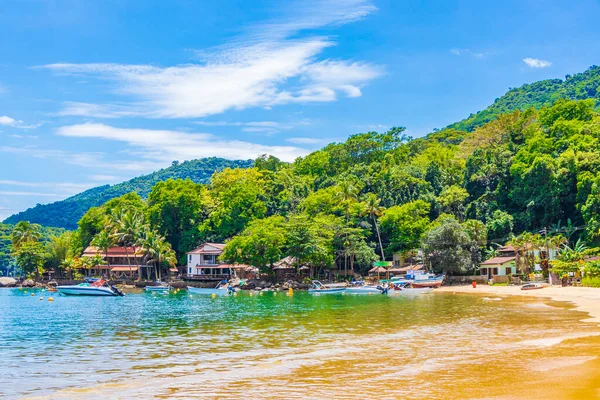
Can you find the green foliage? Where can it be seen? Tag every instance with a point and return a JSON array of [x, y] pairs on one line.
[[538, 94], [66, 213], [404, 225], [447, 248]]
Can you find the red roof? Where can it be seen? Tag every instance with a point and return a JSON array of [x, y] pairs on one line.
[[117, 251], [132, 268], [498, 260], [218, 249]]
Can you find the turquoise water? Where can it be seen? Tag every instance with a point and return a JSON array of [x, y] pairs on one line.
[[144, 345]]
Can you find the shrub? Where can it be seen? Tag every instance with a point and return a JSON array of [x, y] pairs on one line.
[[591, 281]]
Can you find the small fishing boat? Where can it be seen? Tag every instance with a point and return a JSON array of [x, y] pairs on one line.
[[97, 288], [222, 289], [158, 287], [534, 285], [319, 288], [359, 287], [406, 289]]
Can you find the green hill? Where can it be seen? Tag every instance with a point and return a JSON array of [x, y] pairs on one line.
[[585, 85], [66, 213]]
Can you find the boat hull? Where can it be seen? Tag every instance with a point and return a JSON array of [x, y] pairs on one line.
[[85, 291], [327, 291], [363, 290], [428, 283], [157, 288], [209, 291]]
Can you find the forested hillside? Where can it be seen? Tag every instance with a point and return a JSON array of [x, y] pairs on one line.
[[66, 213], [453, 194], [585, 85]]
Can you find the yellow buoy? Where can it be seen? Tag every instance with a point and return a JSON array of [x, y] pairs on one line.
[[290, 292], [251, 293], [21, 288], [50, 298], [214, 295], [234, 294], [33, 294], [190, 296], [274, 293], [261, 293]]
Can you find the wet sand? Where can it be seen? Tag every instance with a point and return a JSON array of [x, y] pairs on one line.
[[584, 299]]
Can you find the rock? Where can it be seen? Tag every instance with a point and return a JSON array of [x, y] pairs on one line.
[[53, 283], [262, 283], [39, 285], [28, 283], [258, 288], [8, 282]]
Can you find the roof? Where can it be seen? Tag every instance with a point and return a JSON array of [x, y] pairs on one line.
[[208, 248], [117, 251], [414, 267], [125, 268], [288, 262], [499, 260], [173, 270], [237, 266], [378, 269]]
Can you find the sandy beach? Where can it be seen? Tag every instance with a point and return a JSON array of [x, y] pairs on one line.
[[585, 299]]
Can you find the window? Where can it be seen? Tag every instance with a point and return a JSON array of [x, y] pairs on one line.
[[190, 270], [190, 258], [494, 271], [508, 270], [483, 271]]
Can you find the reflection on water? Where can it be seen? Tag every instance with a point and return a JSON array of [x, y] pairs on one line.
[[432, 346]]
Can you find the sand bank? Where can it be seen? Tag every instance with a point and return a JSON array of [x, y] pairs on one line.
[[583, 298]]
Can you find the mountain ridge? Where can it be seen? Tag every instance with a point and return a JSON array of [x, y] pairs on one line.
[[65, 213]]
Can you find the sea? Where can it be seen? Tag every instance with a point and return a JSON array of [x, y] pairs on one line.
[[273, 345]]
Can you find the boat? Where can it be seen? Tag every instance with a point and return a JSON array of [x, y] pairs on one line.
[[406, 289], [222, 289], [534, 285], [158, 287], [319, 288], [422, 280], [359, 287], [97, 288]]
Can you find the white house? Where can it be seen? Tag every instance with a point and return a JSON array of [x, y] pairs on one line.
[[204, 260]]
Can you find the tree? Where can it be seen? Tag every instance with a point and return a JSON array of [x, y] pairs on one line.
[[452, 200], [500, 225], [175, 209], [447, 248], [58, 249], [261, 244], [347, 193], [373, 209], [30, 257], [25, 232], [104, 240], [127, 229], [404, 225]]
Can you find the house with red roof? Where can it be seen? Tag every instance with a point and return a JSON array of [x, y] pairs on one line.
[[203, 264]]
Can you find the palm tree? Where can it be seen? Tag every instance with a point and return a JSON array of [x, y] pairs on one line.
[[150, 244], [69, 264], [104, 241], [347, 191], [128, 227], [25, 232], [373, 209]]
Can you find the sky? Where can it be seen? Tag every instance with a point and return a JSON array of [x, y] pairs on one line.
[[97, 92]]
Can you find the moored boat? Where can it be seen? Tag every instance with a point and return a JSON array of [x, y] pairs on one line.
[[222, 289], [534, 285], [158, 287], [406, 289], [97, 288], [319, 288], [360, 288]]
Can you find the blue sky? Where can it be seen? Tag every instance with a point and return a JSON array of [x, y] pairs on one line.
[[97, 92]]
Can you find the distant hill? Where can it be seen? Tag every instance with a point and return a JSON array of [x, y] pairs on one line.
[[66, 213], [585, 85]]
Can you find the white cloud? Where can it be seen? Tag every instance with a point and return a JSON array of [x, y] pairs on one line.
[[8, 121], [104, 178], [36, 194], [271, 66], [66, 186], [537, 63], [475, 54], [167, 145]]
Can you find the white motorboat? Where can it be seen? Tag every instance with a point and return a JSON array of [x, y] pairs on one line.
[[406, 289], [421, 280], [222, 289], [319, 288], [98, 288], [158, 287], [360, 288]]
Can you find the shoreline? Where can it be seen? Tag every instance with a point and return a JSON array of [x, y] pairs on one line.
[[586, 299]]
